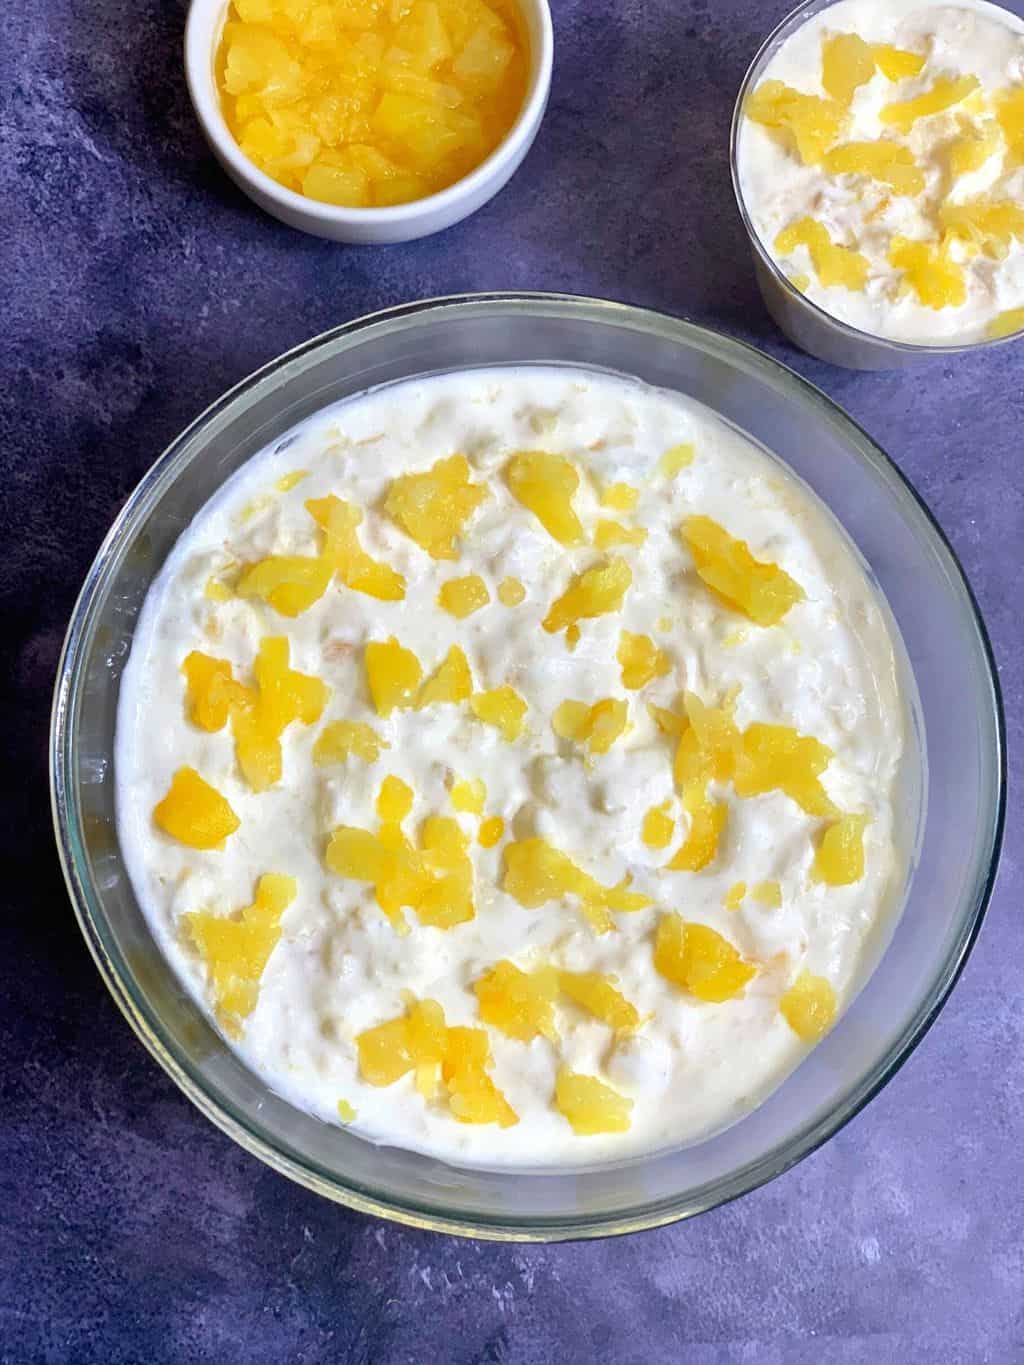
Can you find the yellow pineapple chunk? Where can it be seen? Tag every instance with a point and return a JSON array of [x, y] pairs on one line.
[[595, 592], [598, 995], [448, 898], [676, 459], [261, 714], [762, 591], [596, 727], [394, 800], [1006, 323], [451, 681], [839, 860], [236, 950], [809, 124], [195, 813], [767, 893], [658, 827], [473, 1096], [929, 272], [399, 874], [344, 737], [396, 1047], [707, 821], [990, 224], [287, 482], [501, 707], [210, 690], [700, 960], [809, 1007], [620, 497], [777, 758], [511, 592], [460, 597], [944, 94], [345, 1112], [490, 831], [342, 550], [974, 146], [433, 508], [520, 1004], [895, 63], [1010, 116], [469, 796], [641, 660], [735, 896], [884, 160], [591, 1106], [545, 485], [847, 62], [536, 872], [833, 265], [393, 675], [608, 534], [288, 583]]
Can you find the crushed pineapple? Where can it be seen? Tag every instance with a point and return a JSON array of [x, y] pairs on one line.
[[511, 592], [929, 271], [839, 860], [777, 758], [394, 800], [501, 707], [598, 995], [595, 592], [884, 160], [393, 675], [833, 265], [520, 1004], [620, 497], [847, 62], [536, 872], [342, 738], [895, 63], [236, 950], [991, 225], [658, 827], [1010, 117], [433, 507], [469, 796], [460, 597], [676, 459], [976, 143], [946, 92], [641, 660], [707, 821], [608, 534], [545, 485], [809, 124], [700, 960], [591, 1106], [210, 690], [762, 591], [288, 583], [809, 1006], [346, 1113], [768, 894], [339, 521], [451, 681], [490, 831], [596, 727], [1005, 324], [195, 813], [365, 104], [735, 896], [289, 481]]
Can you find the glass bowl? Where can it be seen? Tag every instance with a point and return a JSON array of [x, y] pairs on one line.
[[807, 325], [912, 565]]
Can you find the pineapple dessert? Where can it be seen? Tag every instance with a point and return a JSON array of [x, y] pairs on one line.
[[507, 764], [881, 161], [370, 103]]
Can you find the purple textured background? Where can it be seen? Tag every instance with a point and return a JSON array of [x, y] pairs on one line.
[[137, 285]]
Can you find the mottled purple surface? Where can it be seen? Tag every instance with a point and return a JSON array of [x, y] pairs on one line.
[[137, 285]]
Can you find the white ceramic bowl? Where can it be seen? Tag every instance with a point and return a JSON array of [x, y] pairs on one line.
[[402, 222]]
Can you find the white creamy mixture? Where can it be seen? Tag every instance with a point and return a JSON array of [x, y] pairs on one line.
[[828, 669], [967, 39]]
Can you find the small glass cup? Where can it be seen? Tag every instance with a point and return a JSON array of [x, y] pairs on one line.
[[807, 325]]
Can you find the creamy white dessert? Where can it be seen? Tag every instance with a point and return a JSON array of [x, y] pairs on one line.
[[715, 975], [881, 162]]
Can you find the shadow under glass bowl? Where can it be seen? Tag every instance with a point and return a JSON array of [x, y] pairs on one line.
[[911, 564]]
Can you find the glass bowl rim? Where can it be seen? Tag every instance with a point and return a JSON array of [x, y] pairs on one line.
[[792, 21], [145, 1022]]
